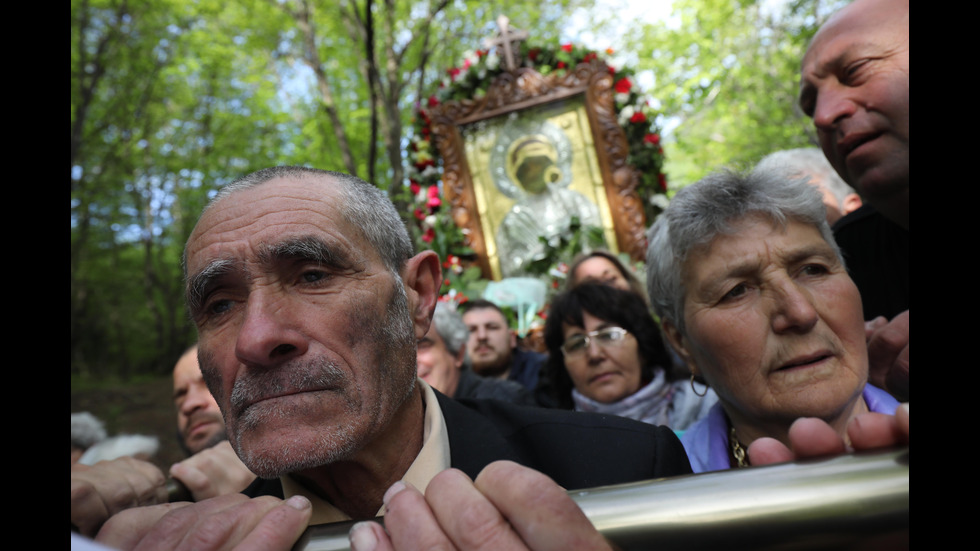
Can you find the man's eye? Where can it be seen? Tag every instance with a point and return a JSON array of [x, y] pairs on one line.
[[852, 72], [313, 276], [219, 306]]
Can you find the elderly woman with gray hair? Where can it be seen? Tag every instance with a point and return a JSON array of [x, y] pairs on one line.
[[752, 293]]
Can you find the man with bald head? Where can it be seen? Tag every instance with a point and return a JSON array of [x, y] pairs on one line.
[[309, 306], [855, 85]]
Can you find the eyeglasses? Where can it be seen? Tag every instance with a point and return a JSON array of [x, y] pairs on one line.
[[577, 345]]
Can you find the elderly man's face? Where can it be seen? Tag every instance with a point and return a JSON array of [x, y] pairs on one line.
[[306, 339], [199, 421], [855, 85]]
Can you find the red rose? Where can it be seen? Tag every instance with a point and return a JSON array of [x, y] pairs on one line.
[[589, 57], [419, 214], [414, 186], [453, 72], [567, 47], [652, 139], [429, 235], [561, 64], [623, 86], [481, 53], [532, 54], [663, 181], [638, 117], [433, 101]]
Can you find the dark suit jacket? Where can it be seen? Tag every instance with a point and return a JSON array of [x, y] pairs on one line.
[[577, 450]]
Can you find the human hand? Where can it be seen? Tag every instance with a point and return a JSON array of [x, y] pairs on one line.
[[213, 472], [231, 521], [102, 490], [811, 437], [507, 507], [888, 354]]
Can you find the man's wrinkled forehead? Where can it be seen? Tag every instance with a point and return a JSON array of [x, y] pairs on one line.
[[267, 225]]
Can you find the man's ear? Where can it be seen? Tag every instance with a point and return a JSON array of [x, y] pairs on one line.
[[423, 278], [680, 345], [851, 203]]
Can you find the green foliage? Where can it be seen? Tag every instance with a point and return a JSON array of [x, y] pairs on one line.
[[727, 72], [171, 99]]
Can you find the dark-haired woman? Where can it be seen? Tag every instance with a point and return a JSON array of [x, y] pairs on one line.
[[606, 356]]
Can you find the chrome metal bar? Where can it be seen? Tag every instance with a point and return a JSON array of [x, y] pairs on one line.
[[850, 501]]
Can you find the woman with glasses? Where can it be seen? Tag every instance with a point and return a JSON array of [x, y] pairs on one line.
[[606, 356]]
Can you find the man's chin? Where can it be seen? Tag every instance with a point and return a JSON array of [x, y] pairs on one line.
[[275, 457]]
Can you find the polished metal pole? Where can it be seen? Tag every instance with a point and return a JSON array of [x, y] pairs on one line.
[[853, 501]]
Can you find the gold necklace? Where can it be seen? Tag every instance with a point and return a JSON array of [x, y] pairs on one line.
[[738, 451]]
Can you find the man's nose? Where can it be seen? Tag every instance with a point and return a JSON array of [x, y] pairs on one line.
[[198, 397], [267, 335], [834, 102]]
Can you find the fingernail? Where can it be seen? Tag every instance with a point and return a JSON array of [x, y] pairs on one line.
[[362, 537], [905, 406], [299, 503], [393, 491]]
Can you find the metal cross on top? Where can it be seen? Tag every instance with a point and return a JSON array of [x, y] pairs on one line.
[[508, 39]]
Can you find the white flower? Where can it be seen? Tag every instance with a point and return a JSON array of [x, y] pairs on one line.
[[625, 114], [429, 171], [493, 61], [430, 220], [622, 98]]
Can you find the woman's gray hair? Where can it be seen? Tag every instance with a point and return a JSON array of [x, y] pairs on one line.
[[365, 207], [449, 324], [713, 206]]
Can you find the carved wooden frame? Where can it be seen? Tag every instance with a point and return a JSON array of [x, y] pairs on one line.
[[523, 89]]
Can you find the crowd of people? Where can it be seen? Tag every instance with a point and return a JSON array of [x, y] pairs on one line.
[[328, 368]]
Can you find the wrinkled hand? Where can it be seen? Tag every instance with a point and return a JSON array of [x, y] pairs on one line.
[[102, 490], [507, 507], [811, 437], [213, 472], [231, 521], [888, 354]]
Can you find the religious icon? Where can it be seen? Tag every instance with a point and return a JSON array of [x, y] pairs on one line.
[[534, 174]]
